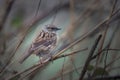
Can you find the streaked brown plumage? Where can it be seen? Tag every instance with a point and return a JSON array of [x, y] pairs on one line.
[[43, 44]]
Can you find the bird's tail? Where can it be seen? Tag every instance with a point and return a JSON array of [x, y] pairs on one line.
[[25, 56]]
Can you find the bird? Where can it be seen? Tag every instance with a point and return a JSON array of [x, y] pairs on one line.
[[44, 43]]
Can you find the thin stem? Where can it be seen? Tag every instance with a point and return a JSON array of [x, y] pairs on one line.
[[89, 57]]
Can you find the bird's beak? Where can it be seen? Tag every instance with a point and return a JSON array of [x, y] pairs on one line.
[[58, 28]]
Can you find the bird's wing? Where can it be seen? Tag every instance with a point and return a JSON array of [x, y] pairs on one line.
[[43, 41]]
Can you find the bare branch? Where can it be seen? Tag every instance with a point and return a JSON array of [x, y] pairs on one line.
[[89, 57]]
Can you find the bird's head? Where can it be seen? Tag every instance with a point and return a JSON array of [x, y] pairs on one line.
[[52, 28]]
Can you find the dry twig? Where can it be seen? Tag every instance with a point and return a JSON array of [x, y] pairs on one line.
[[89, 57]]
